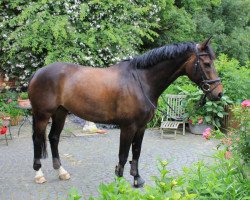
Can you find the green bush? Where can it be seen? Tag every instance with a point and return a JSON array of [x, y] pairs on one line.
[[234, 77], [222, 179], [95, 33], [212, 112]]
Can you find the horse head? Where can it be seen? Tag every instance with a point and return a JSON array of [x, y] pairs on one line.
[[200, 69]]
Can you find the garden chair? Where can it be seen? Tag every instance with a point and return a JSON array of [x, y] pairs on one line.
[[173, 117]]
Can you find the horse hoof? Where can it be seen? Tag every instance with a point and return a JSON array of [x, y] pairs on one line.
[[65, 176], [138, 182], [119, 171], [40, 179]]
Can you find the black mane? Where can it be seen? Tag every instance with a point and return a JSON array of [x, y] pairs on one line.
[[157, 55]]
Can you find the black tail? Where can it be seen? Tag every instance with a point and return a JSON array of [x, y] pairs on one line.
[[39, 140]]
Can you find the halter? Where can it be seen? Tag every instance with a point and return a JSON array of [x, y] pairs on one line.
[[206, 83]]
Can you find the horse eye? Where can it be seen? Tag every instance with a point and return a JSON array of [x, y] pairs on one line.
[[207, 64]]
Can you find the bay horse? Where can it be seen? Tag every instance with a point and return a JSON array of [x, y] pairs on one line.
[[124, 94]]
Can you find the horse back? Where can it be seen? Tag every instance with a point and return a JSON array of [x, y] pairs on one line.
[[104, 95]]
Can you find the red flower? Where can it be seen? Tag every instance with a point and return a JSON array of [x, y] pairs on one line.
[[190, 121], [3, 130], [9, 100]]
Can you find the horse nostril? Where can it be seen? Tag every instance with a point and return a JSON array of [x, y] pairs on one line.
[[220, 94]]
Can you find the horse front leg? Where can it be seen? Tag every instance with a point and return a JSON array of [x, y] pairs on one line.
[[136, 150], [126, 138]]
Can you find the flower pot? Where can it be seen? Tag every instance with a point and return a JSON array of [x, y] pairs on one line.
[[24, 103], [198, 129]]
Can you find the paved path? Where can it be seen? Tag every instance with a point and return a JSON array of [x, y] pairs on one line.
[[90, 160]]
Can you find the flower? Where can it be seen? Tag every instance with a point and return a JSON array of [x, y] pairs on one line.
[[207, 134], [190, 121], [3, 130], [228, 155], [9, 100], [245, 103], [200, 121]]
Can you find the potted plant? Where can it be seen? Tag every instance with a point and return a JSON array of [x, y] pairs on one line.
[[200, 117], [11, 112], [23, 100]]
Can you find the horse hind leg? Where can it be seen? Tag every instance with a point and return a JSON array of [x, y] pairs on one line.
[[58, 120], [40, 122]]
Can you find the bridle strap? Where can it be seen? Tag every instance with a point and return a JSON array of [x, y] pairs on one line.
[[205, 84], [211, 81]]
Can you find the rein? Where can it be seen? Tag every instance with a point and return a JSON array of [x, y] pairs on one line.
[[206, 83]]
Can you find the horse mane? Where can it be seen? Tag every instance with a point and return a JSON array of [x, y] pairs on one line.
[[160, 54]]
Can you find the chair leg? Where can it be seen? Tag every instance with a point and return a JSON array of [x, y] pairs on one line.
[[184, 128], [6, 139], [161, 133], [175, 132], [10, 132]]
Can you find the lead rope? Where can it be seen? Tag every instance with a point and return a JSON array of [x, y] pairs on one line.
[[139, 80], [151, 103]]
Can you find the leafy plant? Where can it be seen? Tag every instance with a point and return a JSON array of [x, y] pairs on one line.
[[234, 77], [211, 113], [225, 178], [238, 139], [23, 95], [74, 194], [10, 109]]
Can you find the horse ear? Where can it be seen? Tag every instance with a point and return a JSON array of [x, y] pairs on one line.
[[206, 43]]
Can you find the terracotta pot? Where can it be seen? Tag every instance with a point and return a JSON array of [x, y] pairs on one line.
[[198, 129], [24, 103]]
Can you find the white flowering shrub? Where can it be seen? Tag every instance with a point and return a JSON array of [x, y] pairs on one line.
[[93, 32]]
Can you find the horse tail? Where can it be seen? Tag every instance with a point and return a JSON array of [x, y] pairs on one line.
[[39, 140]]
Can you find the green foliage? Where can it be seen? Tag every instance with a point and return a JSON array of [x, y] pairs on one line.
[[211, 113], [223, 179], [194, 20], [96, 33], [23, 95], [8, 105], [234, 77], [176, 25], [120, 189], [100, 33], [74, 194], [242, 135]]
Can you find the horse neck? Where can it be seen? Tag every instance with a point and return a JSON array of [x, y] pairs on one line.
[[160, 76]]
